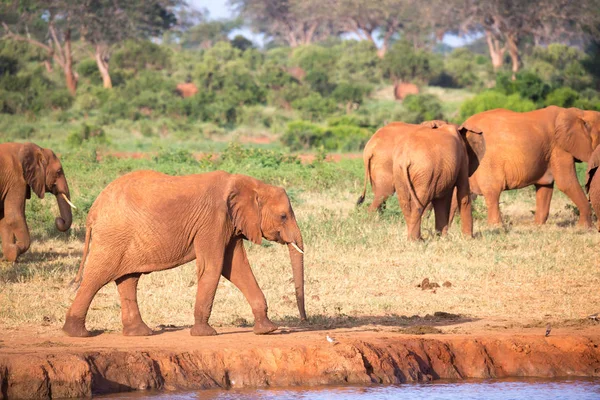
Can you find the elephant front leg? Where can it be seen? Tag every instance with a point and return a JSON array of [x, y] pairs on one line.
[[543, 197], [15, 236], [237, 269], [566, 181], [130, 312], [209, 272]]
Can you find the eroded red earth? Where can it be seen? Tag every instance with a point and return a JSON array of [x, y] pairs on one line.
[[42, 363]]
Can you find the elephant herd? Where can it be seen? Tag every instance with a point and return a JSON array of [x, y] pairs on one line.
[[147, 221], [498, 150]]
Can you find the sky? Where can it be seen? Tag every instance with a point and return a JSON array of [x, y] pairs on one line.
[[219, 9]]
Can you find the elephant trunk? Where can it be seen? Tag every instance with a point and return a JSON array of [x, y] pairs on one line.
[[63, 223], [297, 260]]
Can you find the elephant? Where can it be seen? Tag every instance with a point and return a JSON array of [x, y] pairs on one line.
[[534, 148], [428, 165], [25, 167], [377, 158], [592, 182], [146, 221]]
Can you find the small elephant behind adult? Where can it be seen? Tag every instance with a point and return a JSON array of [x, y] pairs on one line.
[[592, 182], [25, 167], [428, 165], [378, 160], [146, 221]]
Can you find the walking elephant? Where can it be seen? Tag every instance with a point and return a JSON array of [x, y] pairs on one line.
[[147, 221], [428, 165], [25, 167], [378, 159], [592, 182], [534, 148]]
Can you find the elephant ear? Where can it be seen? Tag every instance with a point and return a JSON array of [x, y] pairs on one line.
[[244, 210], [475, 143], [436, 123], [33, 163], [572, 133], [593, 164]]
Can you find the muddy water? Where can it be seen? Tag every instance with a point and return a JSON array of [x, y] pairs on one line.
[[530, 389]]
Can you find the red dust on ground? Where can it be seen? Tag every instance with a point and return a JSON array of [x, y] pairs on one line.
[[37, 363]]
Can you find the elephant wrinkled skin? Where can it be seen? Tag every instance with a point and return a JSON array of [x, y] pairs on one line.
[[534, 148], [428, 164], [25, 167], [146, 221], [378, 160]]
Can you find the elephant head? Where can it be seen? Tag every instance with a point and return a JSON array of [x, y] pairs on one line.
[[475, 143], [262, 211], [577, 132], [43, 173]]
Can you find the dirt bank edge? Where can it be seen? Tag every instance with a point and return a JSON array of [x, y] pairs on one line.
[[58, 373]]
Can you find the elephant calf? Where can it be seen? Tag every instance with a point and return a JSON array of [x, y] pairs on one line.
[[427, 165], [25, 167], [146, 221]]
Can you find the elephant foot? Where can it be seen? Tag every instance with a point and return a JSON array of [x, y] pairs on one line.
[[264, 326], [11, 253], [75, 327], [139, 329], [585, 224], [202, 330]]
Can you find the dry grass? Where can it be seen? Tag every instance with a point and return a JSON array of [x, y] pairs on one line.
[[360, 269]]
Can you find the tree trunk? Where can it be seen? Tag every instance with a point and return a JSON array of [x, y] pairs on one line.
[[496, 52], [48, 66], [70, 77], [103, 67], [513, 50]]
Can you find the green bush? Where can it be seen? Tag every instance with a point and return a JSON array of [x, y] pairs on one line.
[[302, 135], [8, 65], [86, 133], [562, 97], [423, 107], [314, 107], [403, 62], [88, 68], [527, 84], [345, 138], [141, 55], [347, 93], [491, 99], [464, 69]]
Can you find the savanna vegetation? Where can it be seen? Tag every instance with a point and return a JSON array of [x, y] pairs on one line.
[[96, 82]]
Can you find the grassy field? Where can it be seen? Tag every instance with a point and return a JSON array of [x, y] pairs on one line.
[[360, 268]]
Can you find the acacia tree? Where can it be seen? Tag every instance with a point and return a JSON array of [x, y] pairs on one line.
[[295, 22], [104, 23], [55, 41], [372, 20], [101, 23]]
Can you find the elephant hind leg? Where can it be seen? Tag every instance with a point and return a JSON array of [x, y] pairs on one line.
[[543, 196], [133, 325], [383, 187], [441, 207]]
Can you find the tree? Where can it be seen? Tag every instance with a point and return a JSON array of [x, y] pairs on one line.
[[208, 32], [55, 40], [295, 22], [101, 23]]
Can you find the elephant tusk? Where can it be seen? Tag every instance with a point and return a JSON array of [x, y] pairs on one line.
[[68, 201], [296, 247]]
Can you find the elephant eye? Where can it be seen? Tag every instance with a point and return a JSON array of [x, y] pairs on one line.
[[59, 172], [283, 217]]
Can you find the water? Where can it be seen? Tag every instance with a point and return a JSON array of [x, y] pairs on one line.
[[579, 389]]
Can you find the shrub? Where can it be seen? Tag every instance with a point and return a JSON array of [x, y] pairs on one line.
[[562, 97], [463, 69], [403, 62], [314, 106], [349, 93], [423, 107], [302, 135], [345, 138], [8, 65], [141, 55], [88, 68], [491, 99], [86, 133]]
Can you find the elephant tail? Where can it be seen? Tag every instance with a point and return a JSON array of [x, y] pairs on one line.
[[86, 247], [411, 189], [367, 161]]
